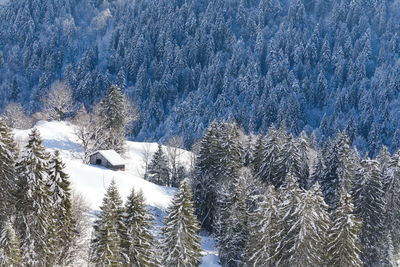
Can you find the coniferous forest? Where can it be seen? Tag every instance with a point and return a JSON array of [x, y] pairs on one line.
[[289, 110], [318, 65]]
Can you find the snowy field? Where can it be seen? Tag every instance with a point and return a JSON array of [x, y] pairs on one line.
[[91, 181]]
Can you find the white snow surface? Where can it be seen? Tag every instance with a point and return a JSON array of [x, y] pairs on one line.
[[91, 180], [112, 156]]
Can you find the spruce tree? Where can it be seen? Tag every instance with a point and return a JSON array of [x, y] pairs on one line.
[[231, 226], [34, 211], [262, 227], [106, 245], [138, 243], [64, 224], [113, 110], [158, 171], [206, 177], [310, 230], [8, 176], [258, 154], [344, 246], [286, 234], [180, 240], [370, 206], [340, 165], [392, 181], [10, 253], [271, 168]]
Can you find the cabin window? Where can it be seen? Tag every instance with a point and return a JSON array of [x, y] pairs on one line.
[[98, 161]]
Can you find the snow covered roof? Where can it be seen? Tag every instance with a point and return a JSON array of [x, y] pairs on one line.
[[112, 157]]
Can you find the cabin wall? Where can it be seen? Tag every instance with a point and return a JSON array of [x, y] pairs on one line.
[[105, 162]]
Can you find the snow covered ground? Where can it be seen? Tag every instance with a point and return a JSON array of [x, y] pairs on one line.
[[92, 181]]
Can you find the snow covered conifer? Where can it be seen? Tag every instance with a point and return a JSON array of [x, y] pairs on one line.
[[138, 242], [206, 175], [310, 229], [8, 176], [180, 240], [370, 206], [262, 227], [34, 202], [63, 221], [231, 226], [344, 246], [285, 237], [106, 245], [158, 171], [271, 168], [117, 114], [10, 253]]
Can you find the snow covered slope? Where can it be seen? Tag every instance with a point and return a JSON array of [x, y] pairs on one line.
[[91, 181]]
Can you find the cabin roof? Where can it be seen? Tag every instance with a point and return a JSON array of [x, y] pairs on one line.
[[111, 156]]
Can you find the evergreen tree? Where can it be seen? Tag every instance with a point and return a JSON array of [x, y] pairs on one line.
[[370, 204], [8, 176], [116, 114], [262, 228], [258, 154], [158, 171], [64, 224], [311, 230], [138, 243], [180, 241], [34, 203], [10, 253], [392, 181], [344, 246], [340, 165], [288, 231], [106, 245], [232, 220], [271, 168]]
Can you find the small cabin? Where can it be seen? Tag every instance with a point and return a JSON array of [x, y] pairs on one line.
[[109, 159]]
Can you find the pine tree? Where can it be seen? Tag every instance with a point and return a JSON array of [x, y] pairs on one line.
[[34, 202], [180, 241], [64, 222], [106, 245], [344, 246], [138, 244], [262, 227], [158, 171], [10, 253], [8, 176]]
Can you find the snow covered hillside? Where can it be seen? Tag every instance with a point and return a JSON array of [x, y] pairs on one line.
[[92, 181]]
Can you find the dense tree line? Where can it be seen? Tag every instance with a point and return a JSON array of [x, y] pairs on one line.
[[285, 201], [318, 65], [37, 221], [123, 235]]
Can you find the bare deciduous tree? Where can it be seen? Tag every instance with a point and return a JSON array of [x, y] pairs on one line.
[[83, 226], [174, 152], [89, 130], [145, 158], [16, 118], [59, 101]]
